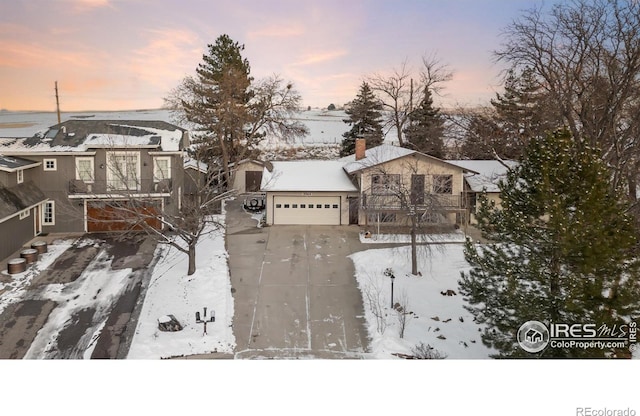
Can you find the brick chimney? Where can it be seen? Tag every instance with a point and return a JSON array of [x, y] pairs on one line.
[[361, 147]]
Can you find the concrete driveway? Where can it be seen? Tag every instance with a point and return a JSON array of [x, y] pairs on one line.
[[295, 293]]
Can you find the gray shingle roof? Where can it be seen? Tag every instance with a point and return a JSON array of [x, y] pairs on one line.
[[18, 198], [13, 163]]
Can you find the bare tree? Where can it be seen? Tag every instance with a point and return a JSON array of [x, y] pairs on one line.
[[374, 297], [586, 55], [403, 313], [398, 90]]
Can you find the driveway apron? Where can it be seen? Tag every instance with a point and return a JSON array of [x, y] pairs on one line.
[[295, 291]]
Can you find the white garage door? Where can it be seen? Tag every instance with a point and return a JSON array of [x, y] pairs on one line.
[[315, 210]]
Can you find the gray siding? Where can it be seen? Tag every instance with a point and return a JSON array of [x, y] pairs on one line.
[[21, 231]]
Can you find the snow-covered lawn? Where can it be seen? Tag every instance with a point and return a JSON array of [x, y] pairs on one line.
[[172, 292], [456, 237], [436, 315]]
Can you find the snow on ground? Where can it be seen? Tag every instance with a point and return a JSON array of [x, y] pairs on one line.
[[457, 237], [13, 290], [436, 319], [172, 292]]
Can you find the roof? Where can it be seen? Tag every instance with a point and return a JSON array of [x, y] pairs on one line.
[[307, 176], [382, 154], [375, 156], [489, 173], [82, 135], [191, 163], [18, 198], [13, 163]]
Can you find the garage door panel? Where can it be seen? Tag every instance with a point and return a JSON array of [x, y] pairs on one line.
[[314, 210], [106, 216]]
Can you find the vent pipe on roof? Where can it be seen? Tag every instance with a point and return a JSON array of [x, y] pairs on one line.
[[361, 148]]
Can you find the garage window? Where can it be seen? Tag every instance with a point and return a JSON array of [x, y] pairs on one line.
[[278, 205], [335, 205], [327, 206], [294, 206], [286, 205], [310, 205], [303, 205], [318, 206]]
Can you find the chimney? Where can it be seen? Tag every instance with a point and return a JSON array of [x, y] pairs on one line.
[[361, 147]]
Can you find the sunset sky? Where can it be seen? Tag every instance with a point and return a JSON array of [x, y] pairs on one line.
[[128, 54]]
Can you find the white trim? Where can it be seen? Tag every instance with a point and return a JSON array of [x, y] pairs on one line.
[[20, 175], [46, 161], [111, 177], [155, 165], [53, 213], [61, 153], [114, 195], [170, 153], [24, 214], [18, 213], [93, 168]]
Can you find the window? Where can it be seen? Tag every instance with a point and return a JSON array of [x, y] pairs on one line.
[[278, 205], [442, 184], [161, 168], [294, 206], [303, 205], [327, 205], [84, 169], [385, 184], [20, 174], [24, 214], [49, 164], [335, 205], [286, 205], [310, 206], [49, 213], [123, 171], [318, 206]]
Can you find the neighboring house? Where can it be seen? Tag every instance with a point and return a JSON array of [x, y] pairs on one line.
[[307, 192], [372, 186], [486, 179], [22, 204], [93, 172], [394, 179]]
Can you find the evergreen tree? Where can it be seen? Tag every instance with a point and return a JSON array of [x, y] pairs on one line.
[[365, 120], [563, 249], [425, 129]]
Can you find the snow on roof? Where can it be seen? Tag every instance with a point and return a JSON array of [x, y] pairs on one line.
[[374, 156], [191, 163], [12, 163], [169, 139], [490, 173], [307, 175]]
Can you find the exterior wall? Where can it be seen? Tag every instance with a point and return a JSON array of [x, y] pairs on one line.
[[491, 196], [344, 203], [415, 164], [58, 185], [20, 230], [239, 175]]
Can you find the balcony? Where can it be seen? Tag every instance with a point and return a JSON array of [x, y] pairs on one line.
[[145, 186], [436, 202]]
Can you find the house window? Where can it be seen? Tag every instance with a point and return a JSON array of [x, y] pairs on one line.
[[49, 164], [24, 214], [385, 184], [442, 184], [123, 172], [49, 213], [84, 169], [20, 174], [161, 168]]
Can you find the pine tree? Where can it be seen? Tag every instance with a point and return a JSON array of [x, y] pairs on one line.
[[425, 129], [365, 120], [562, 251]]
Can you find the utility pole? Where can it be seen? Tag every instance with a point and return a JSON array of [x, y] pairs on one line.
[[58, 103]]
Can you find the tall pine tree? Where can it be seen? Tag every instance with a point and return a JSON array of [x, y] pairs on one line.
[[365, 120], [563, 249], [425, 128]]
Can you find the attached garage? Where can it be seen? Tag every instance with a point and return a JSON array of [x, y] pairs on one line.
[[313, 210], [307, 193], [108, 216]]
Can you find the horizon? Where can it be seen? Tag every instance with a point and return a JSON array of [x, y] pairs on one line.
[[326, 50]]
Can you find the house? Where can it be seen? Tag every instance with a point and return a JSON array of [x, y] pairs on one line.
[[22, 203], [484, 176], [314, 192], [377, 185], [94, 173]]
